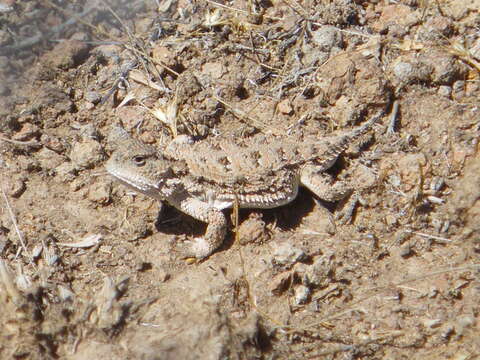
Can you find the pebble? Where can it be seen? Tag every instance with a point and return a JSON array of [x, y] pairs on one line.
[[410, 72], [93, 97], [445, 91], [100, 192], [286, 254], [431, 323], [284, 107], [86, 154], [327, 37], [302, 294], [317, 275]]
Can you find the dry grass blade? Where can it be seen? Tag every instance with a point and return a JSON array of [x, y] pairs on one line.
[[213, 18], [87, 241], [22, 143], [129, 97], [8, 283], [230, 8], [438, 239], [15, 224], [458, 49], [167, 114], [138, 76], [240, 114]]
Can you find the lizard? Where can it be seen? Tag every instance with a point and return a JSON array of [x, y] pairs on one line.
[[202, 178]]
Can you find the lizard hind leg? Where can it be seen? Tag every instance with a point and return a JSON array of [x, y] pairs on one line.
[[326, 188], [323, 185]]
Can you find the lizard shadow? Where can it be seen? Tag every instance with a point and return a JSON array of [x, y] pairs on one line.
[[288, 217]]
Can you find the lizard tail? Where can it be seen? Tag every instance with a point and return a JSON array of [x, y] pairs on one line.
[[340, 143]]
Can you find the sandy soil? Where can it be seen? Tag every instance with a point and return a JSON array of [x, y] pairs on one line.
[[88, 270]]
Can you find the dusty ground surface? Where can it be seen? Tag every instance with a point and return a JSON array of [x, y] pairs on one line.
[[89, 270]]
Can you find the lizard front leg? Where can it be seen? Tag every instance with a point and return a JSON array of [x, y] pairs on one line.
[[216, 226]]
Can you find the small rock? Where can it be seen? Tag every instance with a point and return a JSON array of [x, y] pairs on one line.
[[65, 294], [214, 70], [286, 254], [80, 36], [28, 132], [405, 250], [93, 97], [280, 283], [108, 52], [311, 55], [67, 54], [436, 28], [408, 72], [318, 274], [56, 100], [433, 292], [66, 172], [396, 15], [141, 265], [164, 55], [458, 89], [447, 331], [188, 86], [37, 251], [100, 192], [445, 91], [15, 186], [52, 143], [86, 154], [446, 69], [463, 322], [431, 323], [252, 230], [49, 159], [327, 37], [88, 131], [408, 166], [302, 294], [391, 220], [284, 107]]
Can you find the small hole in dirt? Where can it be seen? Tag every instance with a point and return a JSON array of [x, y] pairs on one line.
[[241, 92], [309, 92], [145, 266], [339, 165], [179, 68], [266, 4]]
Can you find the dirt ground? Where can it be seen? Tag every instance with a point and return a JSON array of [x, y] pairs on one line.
[[89, 270]]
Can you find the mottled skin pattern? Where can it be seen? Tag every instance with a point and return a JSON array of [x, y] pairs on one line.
[[203, 178]]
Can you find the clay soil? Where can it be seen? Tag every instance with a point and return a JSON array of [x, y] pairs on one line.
[[90, 270]]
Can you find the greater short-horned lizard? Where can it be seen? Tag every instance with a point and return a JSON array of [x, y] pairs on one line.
[[203, 178]]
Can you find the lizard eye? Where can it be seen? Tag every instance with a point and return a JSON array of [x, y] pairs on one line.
[[139, 160]]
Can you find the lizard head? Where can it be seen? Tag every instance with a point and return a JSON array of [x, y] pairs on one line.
[[139, 166]]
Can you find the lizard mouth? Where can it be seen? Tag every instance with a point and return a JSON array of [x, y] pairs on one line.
[[139, 184]]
